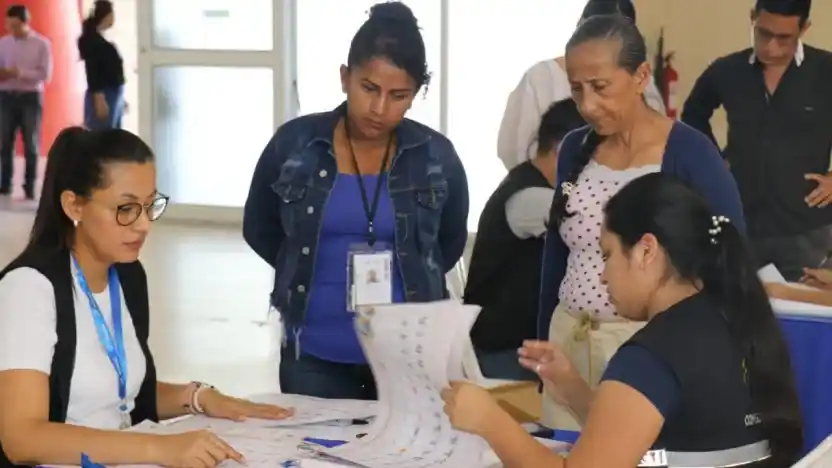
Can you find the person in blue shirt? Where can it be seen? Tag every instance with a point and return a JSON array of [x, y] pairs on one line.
[[606, 63], [360, 175]]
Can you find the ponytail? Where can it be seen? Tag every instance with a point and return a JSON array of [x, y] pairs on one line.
[[52, 228], [709, 250], [587, 149], [733, 280]]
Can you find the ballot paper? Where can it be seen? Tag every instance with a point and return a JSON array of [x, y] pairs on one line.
[[770, 274], [414, 351]]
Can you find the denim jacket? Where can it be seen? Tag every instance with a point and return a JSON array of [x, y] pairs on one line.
[[291, 186]]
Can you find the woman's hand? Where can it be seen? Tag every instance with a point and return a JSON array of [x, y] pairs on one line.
[[469, 407], [553, 367], [217, 405], [820, 278], [198, 449]]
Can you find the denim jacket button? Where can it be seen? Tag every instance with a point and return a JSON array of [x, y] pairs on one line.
[[310, 209], [305, 250], [301, 288], [322, 173]]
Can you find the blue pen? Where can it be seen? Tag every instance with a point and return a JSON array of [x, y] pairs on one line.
[[327, 443], [86, 462]]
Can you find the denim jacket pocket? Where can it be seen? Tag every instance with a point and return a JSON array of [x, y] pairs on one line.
[[429, 203], [291, 195]]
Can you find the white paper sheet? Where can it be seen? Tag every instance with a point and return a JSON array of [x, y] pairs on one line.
[[820, 457], [801, 309], [770, 274], [415, 350]]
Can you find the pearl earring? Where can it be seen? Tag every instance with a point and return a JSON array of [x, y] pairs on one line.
[[75, 222]]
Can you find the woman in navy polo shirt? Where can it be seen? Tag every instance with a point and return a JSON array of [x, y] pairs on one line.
[[606, 62], [357, 206], [707, 382]]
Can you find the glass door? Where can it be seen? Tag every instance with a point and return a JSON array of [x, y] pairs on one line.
[[212, 91]]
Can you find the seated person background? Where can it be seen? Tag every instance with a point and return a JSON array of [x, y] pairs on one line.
[[818, 278], [709, 375], [75, 366], [504, 274]]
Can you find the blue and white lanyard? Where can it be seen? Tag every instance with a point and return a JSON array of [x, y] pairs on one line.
[[113, 342]]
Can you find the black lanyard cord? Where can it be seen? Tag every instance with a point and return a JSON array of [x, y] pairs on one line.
[[369, 209]]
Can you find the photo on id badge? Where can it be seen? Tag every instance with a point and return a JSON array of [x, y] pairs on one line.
[[369, 271]]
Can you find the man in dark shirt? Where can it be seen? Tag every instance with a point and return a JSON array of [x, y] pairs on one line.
[[778, 100]]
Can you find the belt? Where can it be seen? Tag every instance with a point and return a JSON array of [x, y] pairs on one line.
[[733, 457]]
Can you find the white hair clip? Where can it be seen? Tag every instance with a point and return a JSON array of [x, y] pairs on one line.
[[566, 188], [716, 229]]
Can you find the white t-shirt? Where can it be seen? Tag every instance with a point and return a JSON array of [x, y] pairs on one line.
[[28, 337]]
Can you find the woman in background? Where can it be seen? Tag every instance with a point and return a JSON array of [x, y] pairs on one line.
[[707, 382], [545, 83], [340, 193], [104, 104], [75, 366], [606, 61]]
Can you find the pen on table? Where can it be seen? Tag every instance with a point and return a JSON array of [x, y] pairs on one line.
[[86, 462]]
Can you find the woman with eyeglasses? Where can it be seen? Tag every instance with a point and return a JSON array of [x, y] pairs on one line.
[[75, 367]]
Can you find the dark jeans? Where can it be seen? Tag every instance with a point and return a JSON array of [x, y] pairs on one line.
[[503, 365], [308, 375], [115, 101], [19, 111], [791, 254]]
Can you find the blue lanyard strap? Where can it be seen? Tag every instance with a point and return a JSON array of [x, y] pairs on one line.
[[112, 342]]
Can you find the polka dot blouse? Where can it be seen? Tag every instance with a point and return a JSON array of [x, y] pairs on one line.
[[581, 290]]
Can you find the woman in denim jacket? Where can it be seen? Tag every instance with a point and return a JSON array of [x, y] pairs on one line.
[[360, 175]]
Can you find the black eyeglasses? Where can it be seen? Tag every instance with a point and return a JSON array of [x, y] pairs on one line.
[[129, 213]]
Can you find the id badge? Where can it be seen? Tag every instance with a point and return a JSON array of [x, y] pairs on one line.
[[369, 276]]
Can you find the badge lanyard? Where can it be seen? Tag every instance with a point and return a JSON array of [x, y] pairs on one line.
[[369, 209], [113, 342]]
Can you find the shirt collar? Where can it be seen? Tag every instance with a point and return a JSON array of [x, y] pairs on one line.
[[798, 55]]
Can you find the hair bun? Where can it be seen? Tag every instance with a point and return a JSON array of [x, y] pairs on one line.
[[395, 11]]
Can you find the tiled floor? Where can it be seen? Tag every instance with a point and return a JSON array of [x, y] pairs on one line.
[[209, 302]]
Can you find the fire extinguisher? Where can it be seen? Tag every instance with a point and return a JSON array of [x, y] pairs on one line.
[[670, 87]]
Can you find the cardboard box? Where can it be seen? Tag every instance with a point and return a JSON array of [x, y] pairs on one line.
[[519, 399]]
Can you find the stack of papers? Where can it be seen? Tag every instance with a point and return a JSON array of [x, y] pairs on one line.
[[415, 350]]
